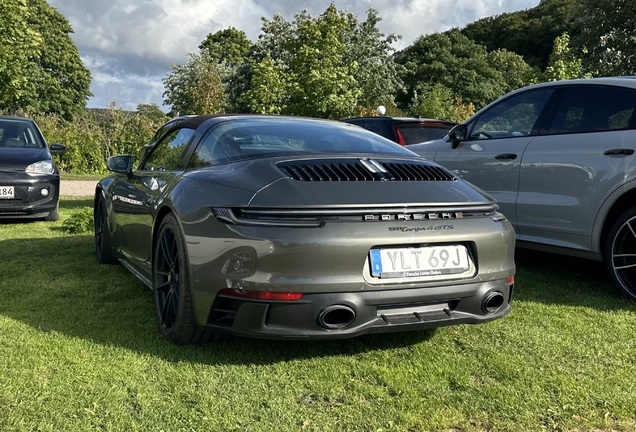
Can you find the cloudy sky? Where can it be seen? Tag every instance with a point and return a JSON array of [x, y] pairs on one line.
[[129, 45]]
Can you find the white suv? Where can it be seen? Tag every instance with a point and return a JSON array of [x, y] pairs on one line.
[[559, 158]]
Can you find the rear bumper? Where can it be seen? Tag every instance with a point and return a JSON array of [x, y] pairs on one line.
[[29, 200], [373, 312]]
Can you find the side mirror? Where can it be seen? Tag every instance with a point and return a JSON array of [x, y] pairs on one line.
[[57, 149], [457, 134], [120, 164]]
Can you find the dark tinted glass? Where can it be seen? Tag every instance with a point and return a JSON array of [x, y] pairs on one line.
[[247, 139], [594, 109], [19, 134], [373, 126], [165, 156], [515, 116], [415, 133]]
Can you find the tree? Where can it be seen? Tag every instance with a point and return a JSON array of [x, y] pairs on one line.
[[323, 84], [604, 31], [563, 63], [40, 67], [461, 65], [196, 87], [378, 75], [299, 67], [19, 43], [61, 82], [529, 33], [515, 71], [152, 112], [331, 65], [229, 46], [269, 86]]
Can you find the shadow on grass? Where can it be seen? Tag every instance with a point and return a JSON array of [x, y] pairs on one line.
[[557, 279], [55, 285]]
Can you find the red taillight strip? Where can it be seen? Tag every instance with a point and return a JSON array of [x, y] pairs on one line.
[[510, 280], [261, 295], [400, 137]]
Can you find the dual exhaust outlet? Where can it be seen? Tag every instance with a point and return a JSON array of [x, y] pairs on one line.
[[336, 317]]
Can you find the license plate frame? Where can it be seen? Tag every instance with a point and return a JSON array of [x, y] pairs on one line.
[[422, 261], [7, 192]]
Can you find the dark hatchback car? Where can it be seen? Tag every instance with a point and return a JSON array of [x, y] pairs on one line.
[[404, 130], [284, 227], [29, 180]]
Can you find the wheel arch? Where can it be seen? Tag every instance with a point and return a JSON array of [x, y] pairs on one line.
[[161, 214], [100, 193], [615, 208]]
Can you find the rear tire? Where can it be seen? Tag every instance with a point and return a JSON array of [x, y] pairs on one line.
[[103, 247], [171, 286], [620, 254]]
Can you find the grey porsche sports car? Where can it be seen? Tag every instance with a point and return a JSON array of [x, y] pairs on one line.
[[283, 227]]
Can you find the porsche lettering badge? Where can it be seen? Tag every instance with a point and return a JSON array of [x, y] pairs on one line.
[[415, 216]]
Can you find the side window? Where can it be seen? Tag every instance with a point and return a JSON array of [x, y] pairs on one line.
[[594, 109], [373, 126], [166, 154], [515, 116]]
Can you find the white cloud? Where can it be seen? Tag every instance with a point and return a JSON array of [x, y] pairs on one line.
[[129, 45]]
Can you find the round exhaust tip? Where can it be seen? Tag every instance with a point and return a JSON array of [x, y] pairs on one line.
[[336, 317], [492, 303]]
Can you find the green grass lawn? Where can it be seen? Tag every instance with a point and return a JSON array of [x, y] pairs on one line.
[[79, 351]]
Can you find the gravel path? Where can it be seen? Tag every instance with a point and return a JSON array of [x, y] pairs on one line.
[[77, 187]]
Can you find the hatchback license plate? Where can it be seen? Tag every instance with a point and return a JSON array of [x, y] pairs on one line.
[[7, 192], [417, 262]]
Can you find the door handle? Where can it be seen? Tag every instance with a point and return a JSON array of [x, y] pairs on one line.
[[619, 151], [510, 156]]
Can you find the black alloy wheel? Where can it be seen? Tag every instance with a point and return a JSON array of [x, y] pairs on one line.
[[620, 254], [103, 249], [171, 284]]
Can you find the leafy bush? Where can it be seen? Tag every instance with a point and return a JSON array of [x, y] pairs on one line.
[[94, 136], [436, 101], [80, 222]]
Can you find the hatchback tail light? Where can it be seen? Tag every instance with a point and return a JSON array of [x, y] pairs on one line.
[[400, 137]]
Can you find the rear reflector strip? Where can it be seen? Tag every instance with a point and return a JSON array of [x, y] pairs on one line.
[[261, 295]]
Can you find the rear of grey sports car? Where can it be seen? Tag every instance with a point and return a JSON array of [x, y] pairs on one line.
[[281, 227], [318, 254]]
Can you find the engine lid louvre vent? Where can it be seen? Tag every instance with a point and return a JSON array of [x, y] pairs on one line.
[[364, 170]]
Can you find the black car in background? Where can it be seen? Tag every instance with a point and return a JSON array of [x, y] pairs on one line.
[[29, 180], [404, 130]]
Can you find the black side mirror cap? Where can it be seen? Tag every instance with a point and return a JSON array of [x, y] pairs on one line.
[[57, 149], [457, 134], [120, 164]]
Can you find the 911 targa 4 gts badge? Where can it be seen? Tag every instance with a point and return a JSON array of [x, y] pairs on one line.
[[420, 229]]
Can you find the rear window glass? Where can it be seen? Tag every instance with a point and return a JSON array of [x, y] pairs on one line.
[[248, 139], [416, 133], [19, 134]]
